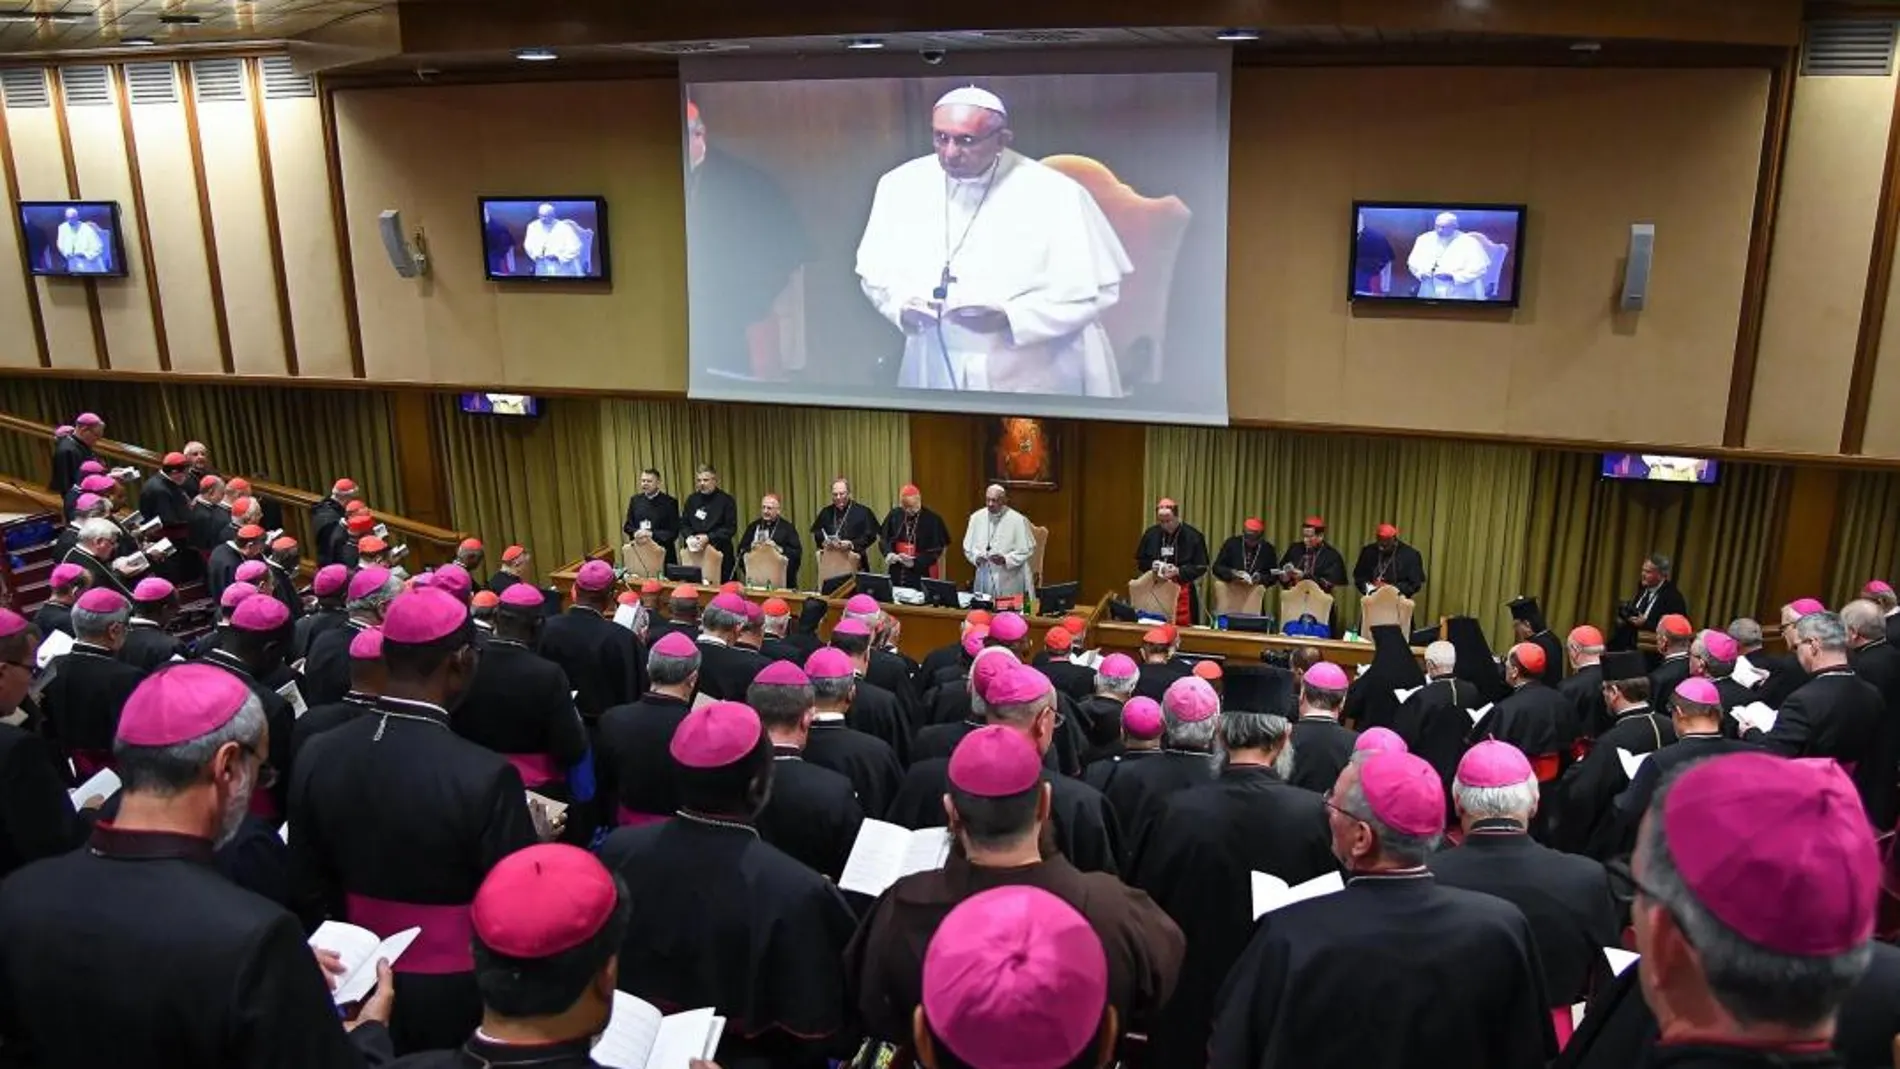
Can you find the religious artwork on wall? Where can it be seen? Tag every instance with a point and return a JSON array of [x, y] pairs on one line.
[[1021, 452]]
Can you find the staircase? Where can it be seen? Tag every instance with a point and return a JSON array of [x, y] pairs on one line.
[[26, 563]]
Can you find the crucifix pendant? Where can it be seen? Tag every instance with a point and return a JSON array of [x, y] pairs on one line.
[[942, 292]]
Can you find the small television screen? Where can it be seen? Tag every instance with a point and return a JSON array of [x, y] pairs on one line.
[[1436, 253], [539, 239], [1659, 468], [73, 238], [501, 404]]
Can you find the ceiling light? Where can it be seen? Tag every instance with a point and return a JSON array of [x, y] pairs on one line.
[[1237, 35], [536, 55], [864, 44]]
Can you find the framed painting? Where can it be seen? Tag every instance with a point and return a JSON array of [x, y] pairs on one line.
[[1022, 451]]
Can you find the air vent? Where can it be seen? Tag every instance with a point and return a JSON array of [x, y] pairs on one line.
[[282, 82], [1037, 37], [24, 87], [1848, 48], [218, 80], [85, 87], [691, 48], [152, 83]]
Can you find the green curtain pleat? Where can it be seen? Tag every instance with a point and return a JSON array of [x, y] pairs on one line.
[[1588, 537], [559, 484], [302, 438], [1868, 546], [1465, 507]]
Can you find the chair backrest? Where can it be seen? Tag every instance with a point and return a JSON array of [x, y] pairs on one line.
[[765, 566], [1149, 592], [1041, 535], [1228, 596], [587, 250], [643, 560], [1492, 274], [1151, 230], [834, 562], [1305, 598], [708, 560]]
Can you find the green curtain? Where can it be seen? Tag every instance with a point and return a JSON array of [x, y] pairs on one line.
[[1465, 507], [1588, 536], [1868, 546], [302, 438], [533, 482]]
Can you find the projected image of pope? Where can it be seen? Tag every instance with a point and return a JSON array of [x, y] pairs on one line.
[[1449, 263], [996, 268], [83, 246], [554, 244]]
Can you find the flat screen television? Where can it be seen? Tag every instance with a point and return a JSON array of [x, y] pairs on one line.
[[501, 404], [1659, 468], [545, 239], [73, 238], [1431, 252]]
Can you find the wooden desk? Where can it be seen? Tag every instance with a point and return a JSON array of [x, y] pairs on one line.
[[1236, 645]]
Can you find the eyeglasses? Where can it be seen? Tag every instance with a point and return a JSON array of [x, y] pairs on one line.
[[943, 140], [1327, 801], [266, 772]]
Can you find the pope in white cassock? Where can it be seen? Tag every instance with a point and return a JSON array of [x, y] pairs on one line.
[[996, 268], [84, 248], [1449, 263], [1000, 544], [554, 244]]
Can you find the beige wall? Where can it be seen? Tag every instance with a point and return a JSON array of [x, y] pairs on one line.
[[1590, 152]]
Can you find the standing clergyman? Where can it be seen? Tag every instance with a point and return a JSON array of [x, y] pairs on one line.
[[996, 268], [999, 543]]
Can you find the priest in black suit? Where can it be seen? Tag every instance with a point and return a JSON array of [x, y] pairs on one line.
[[603, 661], [913, 539], [711, 517], [1656, 597], [726, 669], [656, 512], [1386, 561], [776, 529], [1434, 719], [89, 684], [1321, 744], [1696, 713], [813, 813], [72, 450], [1583, 801], [1583, 647], [845, 523], [1834, 714], [866, 760], [1674, 636], [1878, 662], [1528, 625]]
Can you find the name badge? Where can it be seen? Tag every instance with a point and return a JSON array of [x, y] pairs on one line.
[[1167, 551], [699, 514], [646, 525]]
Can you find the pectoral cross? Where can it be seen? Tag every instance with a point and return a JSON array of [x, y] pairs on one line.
[[942, 292]]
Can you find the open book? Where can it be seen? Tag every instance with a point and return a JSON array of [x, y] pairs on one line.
[[360, 950], [160, 549], [1272, 892], [55, 644], [886, 853], [1746, 673], [640, 1037], [1755, 715], [626, 615], [1631, 761]]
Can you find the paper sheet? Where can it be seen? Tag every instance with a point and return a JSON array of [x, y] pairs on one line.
[[1631, 761], [55, 644], [360, 950], [1620, 960], [1478, 713], [626, 615], [1747, 674], [104, 784], [1271, 892], [885, 853], [554, 809], [637, 1037], [294, 697], [1406, 695], [284, 833]]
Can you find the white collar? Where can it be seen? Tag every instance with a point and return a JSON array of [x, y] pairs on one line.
[[711, 640], [827, 718]]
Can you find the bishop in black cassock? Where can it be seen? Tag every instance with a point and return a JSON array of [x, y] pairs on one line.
[[1175, 545], [1584, 799], [913, 531], [781, 533], [845, 520], [1389, 562]]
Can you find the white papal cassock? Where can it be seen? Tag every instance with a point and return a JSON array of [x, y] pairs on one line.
[[1463, 258], [1008, 534], [1026, 239]]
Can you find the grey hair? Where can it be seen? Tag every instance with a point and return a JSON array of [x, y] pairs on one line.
[[1825, 628], [1241, 730], [1662, 564], [1515, 802], [1441, 654], [165, 771], [98, 529], [1745, 631], [671, 671], [1718, 668], [1752, 983], [714, 618], [89, 624], [1394, 845], [377, 598], [1018, 712], [832, 688], [1864, 619], [1197, 735], [1121, 688]]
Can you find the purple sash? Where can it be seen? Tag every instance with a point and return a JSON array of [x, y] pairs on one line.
[[442, 948], [537, 769], [628, 818]]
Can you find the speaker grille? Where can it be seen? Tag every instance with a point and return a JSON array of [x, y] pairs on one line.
[[282, 82], [85, 86], [152, 83], [218, 80], [24, 87], [1848, 48]]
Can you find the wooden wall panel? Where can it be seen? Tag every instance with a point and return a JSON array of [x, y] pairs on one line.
[[1817, 270], [19, 315], [99, 154], [229, 136], [178, 246], [41, 166], [303, 215]]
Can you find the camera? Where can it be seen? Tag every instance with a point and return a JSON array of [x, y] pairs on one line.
[[932, 56]]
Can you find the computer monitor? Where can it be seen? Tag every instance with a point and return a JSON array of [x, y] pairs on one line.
[[1122, 613], [1058, 599], [684, 573], [1249, 622], [831, 585], [878, 586], [941, 593], [1423, 636]]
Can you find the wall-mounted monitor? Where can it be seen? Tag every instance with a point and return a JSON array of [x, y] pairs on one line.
[[545, 239], [501, 404], [1659, 468], [1436, 253], [73, 238]]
